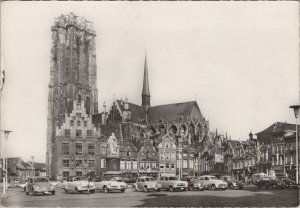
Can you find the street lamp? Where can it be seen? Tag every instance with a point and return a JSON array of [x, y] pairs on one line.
[[6, 134], [296, 112]]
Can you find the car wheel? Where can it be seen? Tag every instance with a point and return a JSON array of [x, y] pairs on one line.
[[171, 188], [145, 189], [259, 187], [66, 191], [27, 193], [53, 192], [106, 190], [77, 191], [213, 187], [231, 186], [92, 191], [191, 188], [24, 189], [158, 190], [240, 187], [122, 190]]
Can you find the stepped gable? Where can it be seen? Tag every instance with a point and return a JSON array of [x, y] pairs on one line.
[[171, 112]]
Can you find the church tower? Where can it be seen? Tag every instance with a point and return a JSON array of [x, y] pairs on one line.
[[73, 78], [146, 92]]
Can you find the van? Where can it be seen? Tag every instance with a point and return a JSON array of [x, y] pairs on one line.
[[256, 177]]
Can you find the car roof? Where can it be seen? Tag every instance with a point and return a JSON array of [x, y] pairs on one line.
[[208, 176], [145, 177]]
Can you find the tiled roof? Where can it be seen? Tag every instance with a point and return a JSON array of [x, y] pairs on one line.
[[171, 112], [278, 127]]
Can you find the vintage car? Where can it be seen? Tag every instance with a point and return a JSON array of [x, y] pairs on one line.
[[256, 177], [193, 183], [172, 183], [212, 182], [78, 184], [232, 182], [146, 183], [39, 185], [110, 184], [289, 183], [270, 181]]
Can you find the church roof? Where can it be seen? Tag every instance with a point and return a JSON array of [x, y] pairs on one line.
[[171, 112], [137, 112]]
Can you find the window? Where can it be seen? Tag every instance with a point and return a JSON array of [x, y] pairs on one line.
[[167, 145], [65, 149], [161, 156], [66, 175], [67, 132], [161, 165], [173, 156], [78, 148], [78, 133], [89, 132], [78, 123], [184, 164], [78, 163], [85, 123], [142, 165], [172, 165], [167, 155], [66, 163], [134, 165], [167, 165], [71, 122], [184, 155], [78, 107], [78, 114], [78, 173], [91, 149], [103, 163], [128, 153], [147, 165], [153, 164], [103, 150], [122, 165], [191, 163], [91, 163], [128, 164]]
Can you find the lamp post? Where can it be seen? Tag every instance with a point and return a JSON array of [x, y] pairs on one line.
[[296, 112], [6, 134], [32, 166]]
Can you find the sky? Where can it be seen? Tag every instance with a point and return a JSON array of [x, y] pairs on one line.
[[238, 60]]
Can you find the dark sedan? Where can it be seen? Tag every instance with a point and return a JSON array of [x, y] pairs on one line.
[[232, 182], [289, 183], [270, 182]]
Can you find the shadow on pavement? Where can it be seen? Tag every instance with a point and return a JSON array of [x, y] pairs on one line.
[[264, 198]]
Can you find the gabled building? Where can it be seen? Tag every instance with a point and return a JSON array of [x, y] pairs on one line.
[[167, 156]]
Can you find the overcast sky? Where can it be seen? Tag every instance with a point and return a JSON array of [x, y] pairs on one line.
[[239, 60]]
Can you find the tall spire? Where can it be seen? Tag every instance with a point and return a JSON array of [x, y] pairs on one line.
[[146, 91]]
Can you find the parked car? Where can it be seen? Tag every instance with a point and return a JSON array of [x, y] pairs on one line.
[[256, 177], [110, 184], [146, 183], [212, 182], [39, 185], [78, 184], [270, 181], [194, 183], [289, 183], [172, 183], [232, 182]]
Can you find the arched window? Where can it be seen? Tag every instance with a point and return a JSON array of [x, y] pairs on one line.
[[88, 105], [79, 98]]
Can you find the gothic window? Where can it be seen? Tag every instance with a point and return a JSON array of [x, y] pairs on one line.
[[79, 98], [70, 106], [88, 105]]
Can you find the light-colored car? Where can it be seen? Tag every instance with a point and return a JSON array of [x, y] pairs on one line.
[[232, 182], [194, 183], [39, 185], [78, 185], [172, 183], [111, 184], [212, 182], [146, 183]]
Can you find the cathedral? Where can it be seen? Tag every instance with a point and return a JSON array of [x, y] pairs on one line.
[[129, 138]]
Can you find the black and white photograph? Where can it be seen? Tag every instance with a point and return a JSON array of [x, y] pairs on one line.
[[149, 104]]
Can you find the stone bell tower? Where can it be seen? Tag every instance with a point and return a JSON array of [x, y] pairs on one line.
[[73, 76]]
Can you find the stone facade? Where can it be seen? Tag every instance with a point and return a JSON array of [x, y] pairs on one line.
[[73, 78]]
